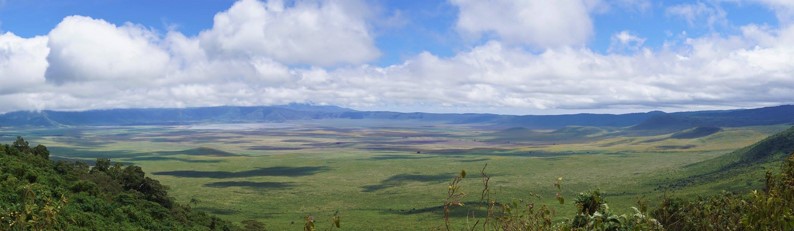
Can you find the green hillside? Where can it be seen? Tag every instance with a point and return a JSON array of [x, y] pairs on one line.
[[746, 163], [773, 148], [38, 194]]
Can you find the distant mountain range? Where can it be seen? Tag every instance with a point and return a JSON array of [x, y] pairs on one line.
[[654, 120]]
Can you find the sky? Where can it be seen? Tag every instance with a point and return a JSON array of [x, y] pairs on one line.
[[453, 56]]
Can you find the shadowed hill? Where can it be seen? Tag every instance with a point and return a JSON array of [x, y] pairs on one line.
[[584, 120], [746, 117], [729, 118], [666, 123]]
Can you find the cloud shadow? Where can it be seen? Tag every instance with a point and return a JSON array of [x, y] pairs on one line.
[[402, 179], [270, 171], [163, 158], [250, 184]]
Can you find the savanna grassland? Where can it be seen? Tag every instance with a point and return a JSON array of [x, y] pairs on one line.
[[393, 175]]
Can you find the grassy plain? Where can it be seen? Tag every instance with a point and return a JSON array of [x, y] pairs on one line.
[[387, 175]]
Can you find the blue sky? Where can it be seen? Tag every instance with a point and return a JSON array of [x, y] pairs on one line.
[[426, 25], [497, 56]]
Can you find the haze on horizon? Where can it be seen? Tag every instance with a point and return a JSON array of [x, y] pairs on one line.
[[497, 56]]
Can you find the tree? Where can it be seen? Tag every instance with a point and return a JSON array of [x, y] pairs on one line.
[[132, 178], [156, 192], [101, 165], [41, 150], [21, 145]]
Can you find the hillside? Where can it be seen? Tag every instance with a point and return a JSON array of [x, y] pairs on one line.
[[749, 161], [38, 194], [772, 149]]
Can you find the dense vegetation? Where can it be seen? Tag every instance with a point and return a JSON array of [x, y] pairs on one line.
[[38, 194]]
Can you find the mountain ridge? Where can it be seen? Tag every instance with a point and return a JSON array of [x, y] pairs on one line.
[[653, 120]]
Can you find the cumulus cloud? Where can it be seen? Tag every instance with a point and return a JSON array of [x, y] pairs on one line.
[[22, 62], [191, 63], [539, 24], [309, 32], [86, 49], [90, 63], [713, 72]]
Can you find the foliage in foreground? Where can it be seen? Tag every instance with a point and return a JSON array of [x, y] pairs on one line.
[[769, 209], [38, 194], [592, 212]]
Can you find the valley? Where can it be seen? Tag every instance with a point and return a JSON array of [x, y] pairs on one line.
[[388, 174]]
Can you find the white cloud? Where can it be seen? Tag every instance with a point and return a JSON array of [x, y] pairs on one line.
[[96, 64], [310, 32], [709, 72], [700, 13], [87, 49], [625, 41], [191, 64], [22, 62], [539, 24]]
